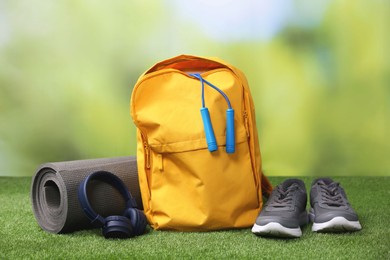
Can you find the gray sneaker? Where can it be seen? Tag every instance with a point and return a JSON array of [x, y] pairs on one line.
[[284, 212], [330, 210]]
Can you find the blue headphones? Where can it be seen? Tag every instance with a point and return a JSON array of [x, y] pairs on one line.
[[132, 223], [208, 128]]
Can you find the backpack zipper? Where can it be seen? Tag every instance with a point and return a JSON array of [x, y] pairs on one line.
[[147, 151], [245, 115], [147, 158], [147, 154]]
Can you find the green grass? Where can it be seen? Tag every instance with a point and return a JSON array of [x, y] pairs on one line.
[[21, 237]]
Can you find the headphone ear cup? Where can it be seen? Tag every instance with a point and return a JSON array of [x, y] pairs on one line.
[[117, 227], [137, 219]]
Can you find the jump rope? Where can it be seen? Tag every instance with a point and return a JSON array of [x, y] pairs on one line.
[[208, 128]]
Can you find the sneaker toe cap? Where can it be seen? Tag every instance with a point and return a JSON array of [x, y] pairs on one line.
[[328, 215], [284, 221]]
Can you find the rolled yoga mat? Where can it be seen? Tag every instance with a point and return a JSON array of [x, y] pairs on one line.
[[54, 192]]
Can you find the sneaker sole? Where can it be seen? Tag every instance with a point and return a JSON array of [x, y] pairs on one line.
[[337, 224], [274, 229]]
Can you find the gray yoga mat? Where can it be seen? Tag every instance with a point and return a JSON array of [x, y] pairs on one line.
[[55, 186]]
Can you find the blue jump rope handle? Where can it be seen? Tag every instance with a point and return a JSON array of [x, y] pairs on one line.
[[208, 129], [230, 140]]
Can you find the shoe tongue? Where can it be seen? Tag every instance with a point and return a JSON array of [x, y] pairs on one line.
[[325, 181], [287, 183]]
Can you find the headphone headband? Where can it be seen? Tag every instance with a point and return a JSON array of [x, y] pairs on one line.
[[111, 179]]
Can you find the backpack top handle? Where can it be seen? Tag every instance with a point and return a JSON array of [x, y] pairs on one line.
[[188, 63]]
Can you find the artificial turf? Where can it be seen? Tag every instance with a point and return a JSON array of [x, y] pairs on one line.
[[22, 238]]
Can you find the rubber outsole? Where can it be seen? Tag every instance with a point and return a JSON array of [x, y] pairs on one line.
[[337, 224], [274, 229]]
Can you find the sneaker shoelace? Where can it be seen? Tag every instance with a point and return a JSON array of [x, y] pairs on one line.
[[284, 198], [331, 194]]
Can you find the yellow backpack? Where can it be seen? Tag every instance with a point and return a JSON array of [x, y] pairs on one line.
[[199, 162]]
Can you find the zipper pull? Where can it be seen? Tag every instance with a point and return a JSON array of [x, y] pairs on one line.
[[147, 154], [245, 115], [160, 162]]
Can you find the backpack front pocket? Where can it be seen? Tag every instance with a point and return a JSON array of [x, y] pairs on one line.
[[202, 189]]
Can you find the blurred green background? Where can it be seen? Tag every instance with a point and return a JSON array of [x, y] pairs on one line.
[[319, 73]]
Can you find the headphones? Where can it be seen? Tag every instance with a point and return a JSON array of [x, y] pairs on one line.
[[208, 128], [133, 221]]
